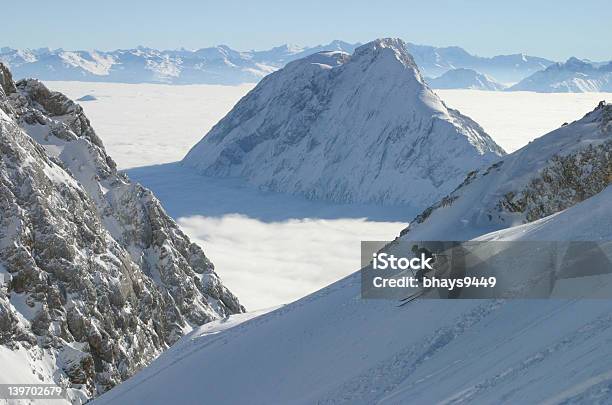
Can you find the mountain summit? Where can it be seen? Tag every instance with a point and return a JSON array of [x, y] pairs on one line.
[[348, 128]]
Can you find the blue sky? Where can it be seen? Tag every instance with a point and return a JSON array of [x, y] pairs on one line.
[[553, 29]]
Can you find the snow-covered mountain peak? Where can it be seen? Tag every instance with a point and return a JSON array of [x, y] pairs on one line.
[[576, 65], [288, 48], [350, 128], [384, 50], [607, 67], [385, 47], [324, 59]]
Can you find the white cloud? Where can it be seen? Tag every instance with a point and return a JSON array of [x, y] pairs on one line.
[[270, 263]]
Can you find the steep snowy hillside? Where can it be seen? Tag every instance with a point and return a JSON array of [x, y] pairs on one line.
[[573, 76], [350, 128], [335, 347], [95, 279], [552, 173], [464, 79]]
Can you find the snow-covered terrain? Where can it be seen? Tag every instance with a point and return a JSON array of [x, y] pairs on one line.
[[223, 65], [360, 128], [590, 220], [332, 347], [99, 261], [573, 76], [335, 347], [465, 79]]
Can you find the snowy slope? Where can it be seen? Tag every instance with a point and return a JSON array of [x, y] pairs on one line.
[[334, 347], [465, 79], [573, 76], [350, 128], [552, 173]]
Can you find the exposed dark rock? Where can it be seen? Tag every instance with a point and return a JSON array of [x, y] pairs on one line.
[[91, 266]]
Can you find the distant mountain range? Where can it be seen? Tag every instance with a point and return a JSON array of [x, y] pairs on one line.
[[573, 76], [435, 61], [465, 79], [223, 65], [215, 65], [446, 67]]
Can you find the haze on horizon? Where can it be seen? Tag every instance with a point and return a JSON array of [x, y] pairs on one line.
[[554, 30]]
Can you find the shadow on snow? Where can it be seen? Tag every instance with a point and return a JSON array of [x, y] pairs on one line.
[[184, 193]]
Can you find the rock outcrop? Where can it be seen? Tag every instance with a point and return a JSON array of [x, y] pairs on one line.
[[95, 278]]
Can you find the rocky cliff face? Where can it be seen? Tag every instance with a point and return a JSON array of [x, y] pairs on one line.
[[348, 128], [95, 279]]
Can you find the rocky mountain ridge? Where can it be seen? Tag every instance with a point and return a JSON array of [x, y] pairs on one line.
[[95, 278]]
